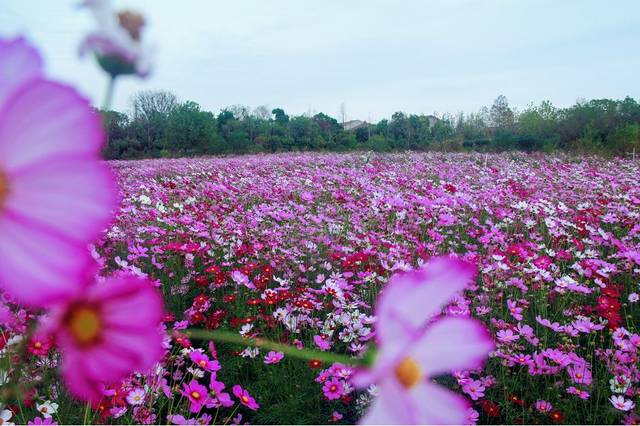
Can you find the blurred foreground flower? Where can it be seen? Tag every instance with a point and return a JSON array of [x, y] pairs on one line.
[[55, 195], [412, 349], [117, 41], [106, 333]]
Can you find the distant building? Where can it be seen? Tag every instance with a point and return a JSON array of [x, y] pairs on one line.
[[354, 124]]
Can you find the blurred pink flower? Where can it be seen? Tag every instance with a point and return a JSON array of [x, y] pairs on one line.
[[411, 349], [55, 195], [107, 332]]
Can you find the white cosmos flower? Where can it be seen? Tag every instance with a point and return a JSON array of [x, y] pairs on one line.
[[5, 416], [47, 408]]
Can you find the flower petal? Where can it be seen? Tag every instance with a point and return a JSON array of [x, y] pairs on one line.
[[452, 343], [391, 407], [436, 405], [73, 196], [19, 63], [44, 120], [410, 300], [37, 267]]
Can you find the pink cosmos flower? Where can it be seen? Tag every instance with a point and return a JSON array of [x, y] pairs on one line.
[[577, 392], [322, 342], [55, 195], [245, 398], [622, 404], [107, 332], [196, 394], [412, 349], [218, 397], [273, 357], [335, 417], [507, 336], [580, 374], [474, 388], [333, 389], [204, 362], [42, 421], [514, 310], [543, 406], [136, 396]]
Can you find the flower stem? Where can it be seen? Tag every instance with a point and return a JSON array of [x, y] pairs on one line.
[[108, 97], [308, 354]]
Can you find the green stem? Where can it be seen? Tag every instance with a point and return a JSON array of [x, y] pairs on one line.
[[108, 97], [86, 414], [308, 354]]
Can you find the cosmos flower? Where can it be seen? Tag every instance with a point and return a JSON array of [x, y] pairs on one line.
[[50, 209], [136, 396], [47, 408], [40, 421], [117, 40], [620, 403], [196, 394], [543, 406], [204, 362], [245, 398], [333, 389], [273, 357], [218, 396], [107, 332], [412, 349]]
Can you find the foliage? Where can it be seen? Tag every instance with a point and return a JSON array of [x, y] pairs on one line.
[[162, 126]]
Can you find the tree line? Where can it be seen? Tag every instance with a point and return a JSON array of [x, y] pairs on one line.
[[159, 125]]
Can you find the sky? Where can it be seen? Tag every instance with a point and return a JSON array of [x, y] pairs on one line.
[[375, 56]]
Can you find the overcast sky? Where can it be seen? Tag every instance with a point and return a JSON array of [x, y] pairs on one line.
[[376, 56]]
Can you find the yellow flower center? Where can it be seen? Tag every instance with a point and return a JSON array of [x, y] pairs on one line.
[[202, 363], [84, 324], [195, 395], [244, 399], [37, 345], [408, 372], [4, 188]]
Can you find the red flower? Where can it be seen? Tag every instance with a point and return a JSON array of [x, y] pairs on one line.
[[556, 416]]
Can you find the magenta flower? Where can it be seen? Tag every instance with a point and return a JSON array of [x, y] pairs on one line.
[[333, 389], [514, 310], [412, 349], [245, 398], [474, 388], [107, 332], [204, 362], [543, 406], [322, 342], [579, 373], [273, 357], [218, 396], [55, 195], [196, 394], [42, 421]]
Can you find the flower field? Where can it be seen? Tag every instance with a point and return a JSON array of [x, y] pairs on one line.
[[295, 249]]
